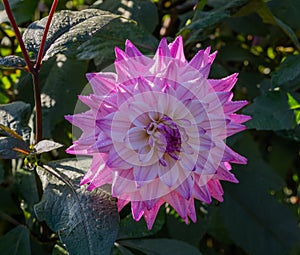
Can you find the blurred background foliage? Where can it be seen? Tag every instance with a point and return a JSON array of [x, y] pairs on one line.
[[259, 39]]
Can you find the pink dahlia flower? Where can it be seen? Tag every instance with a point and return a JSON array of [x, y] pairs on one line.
[[156, 130]]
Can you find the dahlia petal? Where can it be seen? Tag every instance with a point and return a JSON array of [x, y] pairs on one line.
[[98, 171], [224, 97], [144, 174], [103, 143], [137, 209], [216, 190], [224, 175], [191, 210], [161, 58], [151, 214], [89, 102], [85, 121], [107, 104], [145, 153], [157, 129], [205, 165], [206, 143], [178, 203], [202, 61], [100, 178], [163, 49], [123, 183], [214, 124], [234, 106], [201, 193], [234, 156], [102, 83], [167, 175], [176, 49], [120, 55], [121, 203], [233, 128], [224, 84], [143, 85], [131, 50], [136, 138], [153, 190], [104, 124], [239, 118], [119, 159], [188, 162], [149, 204], [198, 60], [137, 108], [185, 187]]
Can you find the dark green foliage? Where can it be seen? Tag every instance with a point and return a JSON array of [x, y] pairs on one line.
[[12, 62], [161, 246], [68, 30], [255, 38], [14, 130], [86, 222], [23, 10], [16, 242]]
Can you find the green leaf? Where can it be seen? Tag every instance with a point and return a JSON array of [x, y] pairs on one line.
[[129, 228], [16, 242], [1, 172], [14, 130], [62, 80], [286, 10], [68, 30], [161, 246], [25, 184], [101, 46], [288, 73], [267, 16], [271, 111], [121, 250], [16, 116], [46, 146], [12, 62], [22, 10], [191, 233], [204, 21], [86, 222], [254, 219], [288, 31], [142, 11]]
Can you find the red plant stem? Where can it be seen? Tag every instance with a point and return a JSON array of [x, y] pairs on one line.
[[42, 45], [18, 35], [33, 69], [38, 107]]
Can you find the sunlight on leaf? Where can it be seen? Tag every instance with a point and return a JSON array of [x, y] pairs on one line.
[[87, 222]]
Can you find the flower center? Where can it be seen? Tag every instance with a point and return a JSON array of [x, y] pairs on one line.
[[164, 134]]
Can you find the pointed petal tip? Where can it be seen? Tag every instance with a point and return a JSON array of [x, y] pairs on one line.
[[120, 54], [69, 118], [90, 76], [128, 43], [71, 150], [91, 187]]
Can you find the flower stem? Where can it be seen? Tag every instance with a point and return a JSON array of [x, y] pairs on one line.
[[38, 107], [38, 62], [18, 35]]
